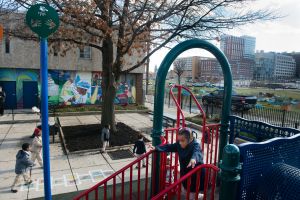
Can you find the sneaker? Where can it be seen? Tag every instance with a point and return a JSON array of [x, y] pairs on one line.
[[28, 183], [200, 196], [144, 166], [14, 190], [137, 167]]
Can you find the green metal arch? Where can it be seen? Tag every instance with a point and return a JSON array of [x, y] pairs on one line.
[[160, 88]]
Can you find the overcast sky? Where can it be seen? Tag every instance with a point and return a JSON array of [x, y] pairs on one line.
[[279, 35]]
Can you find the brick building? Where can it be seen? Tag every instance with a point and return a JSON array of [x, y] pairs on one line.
[[240, 52]]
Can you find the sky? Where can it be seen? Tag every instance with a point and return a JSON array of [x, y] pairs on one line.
[[280, 35]]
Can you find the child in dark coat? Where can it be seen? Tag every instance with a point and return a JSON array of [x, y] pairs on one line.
[[105, 136], [23, 164], [139, 149], [190, 156]]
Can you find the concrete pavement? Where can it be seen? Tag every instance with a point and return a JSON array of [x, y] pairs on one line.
[[70, 173]]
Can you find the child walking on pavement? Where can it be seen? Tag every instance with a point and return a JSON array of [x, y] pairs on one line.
[[139, 149], [105, 135], [36, 148], [23, 164]]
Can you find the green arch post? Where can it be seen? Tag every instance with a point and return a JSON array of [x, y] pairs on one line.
[[160, 90]]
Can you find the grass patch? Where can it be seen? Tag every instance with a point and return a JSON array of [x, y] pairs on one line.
[[199, 120], [294, 94]]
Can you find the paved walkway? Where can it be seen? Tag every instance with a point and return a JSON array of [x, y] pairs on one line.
[[69, 173]]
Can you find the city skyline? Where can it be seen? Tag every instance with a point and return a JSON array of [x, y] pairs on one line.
[[280, 35]]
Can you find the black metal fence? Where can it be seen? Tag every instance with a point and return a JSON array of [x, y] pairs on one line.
[[277, 117]]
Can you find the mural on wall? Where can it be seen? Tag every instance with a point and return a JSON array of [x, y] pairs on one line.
[[19, 75], [126, 92], [96, 88], [71, 87]]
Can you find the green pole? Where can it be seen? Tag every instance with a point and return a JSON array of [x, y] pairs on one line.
[[230, 172], [160, 90]]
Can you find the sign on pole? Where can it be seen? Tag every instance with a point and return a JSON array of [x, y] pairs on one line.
[[43, 20]]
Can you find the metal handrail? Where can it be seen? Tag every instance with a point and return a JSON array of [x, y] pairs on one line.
[[210, 170], [113, 177]]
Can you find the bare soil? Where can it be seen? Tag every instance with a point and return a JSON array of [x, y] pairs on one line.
[[84, 137]]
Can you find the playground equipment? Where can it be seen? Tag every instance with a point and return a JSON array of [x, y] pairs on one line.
[[256, 131], [162, 186], [168, 182], [270, 169]]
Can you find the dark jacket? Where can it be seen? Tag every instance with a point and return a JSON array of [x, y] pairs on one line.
[[192, 151], [2, 97], [23, 162], [139, 147]]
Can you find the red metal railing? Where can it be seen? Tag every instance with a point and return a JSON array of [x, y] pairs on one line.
[[210, 132], [170, 172], [113, 187], [210, 143], [209, 185], [180, 114]]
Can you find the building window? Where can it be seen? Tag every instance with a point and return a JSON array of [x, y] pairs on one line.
[[85, 52], [7, 44]]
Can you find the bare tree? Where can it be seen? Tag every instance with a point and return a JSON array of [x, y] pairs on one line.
[[7, 6], [179, 68], [120, 28]]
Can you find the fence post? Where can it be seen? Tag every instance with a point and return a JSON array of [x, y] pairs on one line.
[[190, 104], [230, 172], [169, 100], [243, 111], [207, 109], [283, 118]]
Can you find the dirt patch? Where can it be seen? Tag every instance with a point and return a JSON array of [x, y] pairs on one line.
[[84, 137]]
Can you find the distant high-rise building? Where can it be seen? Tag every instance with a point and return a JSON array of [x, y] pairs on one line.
[[296, 56], [249, 46], [240, 52], [271, 65]]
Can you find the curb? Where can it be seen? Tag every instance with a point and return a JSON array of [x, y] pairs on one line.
[[20, 121], [61, 114]]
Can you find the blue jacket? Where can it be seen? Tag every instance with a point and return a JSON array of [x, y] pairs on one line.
[[23, 162], [192, 151]]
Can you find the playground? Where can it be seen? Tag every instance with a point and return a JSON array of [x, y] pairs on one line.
[[205, 162]]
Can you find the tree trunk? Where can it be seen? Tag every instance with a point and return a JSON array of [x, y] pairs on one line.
[[178, 80], [109, 85]]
